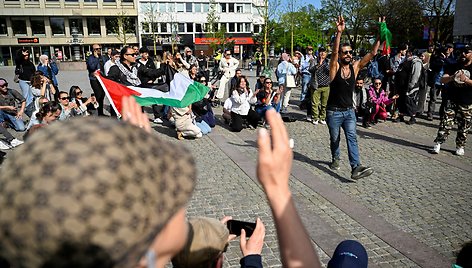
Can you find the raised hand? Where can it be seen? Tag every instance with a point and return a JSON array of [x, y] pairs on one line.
[[340, 24], [133, 114]]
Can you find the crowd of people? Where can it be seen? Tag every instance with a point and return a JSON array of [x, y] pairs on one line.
[[120, 168]]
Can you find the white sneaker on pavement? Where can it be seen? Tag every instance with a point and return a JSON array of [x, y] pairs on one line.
[[158, 121], [436, 148], [4, 146], [460, 151], [16, 142], [315, 122], [322, 122]]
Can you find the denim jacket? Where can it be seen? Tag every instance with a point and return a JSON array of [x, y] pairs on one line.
[[50, 72]]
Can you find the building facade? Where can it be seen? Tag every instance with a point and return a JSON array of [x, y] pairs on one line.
[[180, 23], [64, 29], [462, 31]]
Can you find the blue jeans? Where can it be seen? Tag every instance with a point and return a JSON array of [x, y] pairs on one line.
[[347, 121], [305, 80], [261, 110], [204, 127], [12, 121], [26, 91]]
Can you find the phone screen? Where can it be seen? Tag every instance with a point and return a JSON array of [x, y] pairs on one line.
[[235, 227]]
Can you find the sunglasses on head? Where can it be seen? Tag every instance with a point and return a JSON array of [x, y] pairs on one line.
[[347, 52]]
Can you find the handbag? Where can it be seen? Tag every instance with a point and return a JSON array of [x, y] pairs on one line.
[[289, 79]]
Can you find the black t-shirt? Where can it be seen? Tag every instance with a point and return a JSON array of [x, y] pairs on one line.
[[341, 90], [459, 93]]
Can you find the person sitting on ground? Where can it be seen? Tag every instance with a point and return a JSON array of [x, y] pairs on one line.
[[10, 115], [185, 123], [379, 100], [85, 106], [192, 72], [267, 98], [233, 83], [208, 240], [8, 142], [41, 86], [48, 113], [118, 195], [68, 108], [227, 110], [242, 98], [260, 82]]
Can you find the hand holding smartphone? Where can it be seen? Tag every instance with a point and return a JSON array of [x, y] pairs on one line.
[[235, 227]]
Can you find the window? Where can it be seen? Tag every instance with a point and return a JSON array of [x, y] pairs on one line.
[[239, 27], [37, 26], [3, 26], [222, 7], [127, 1], [57, 26], [93, 26], [188, 7], [129, 25], [247, 27], [105, 1], [162, 7], [147, 27], [76, 1], [239, 8], [181, 28], [180, 7], [171, 7], [256, 29], [198, 28], [222, 26], [247, 8], [205, 7], [190, 27], [111, 24], [164, 28], [231, 27], [89, 1], [77, 23], [231, 7], [174, 27], [197, 7]]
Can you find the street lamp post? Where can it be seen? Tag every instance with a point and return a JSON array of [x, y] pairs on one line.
[[75, 41]]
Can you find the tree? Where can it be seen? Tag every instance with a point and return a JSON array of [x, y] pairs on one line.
[[151, 17], [124, 26], [440, 18], [268, 13], [356, 13], [211, 27], [292, 8]]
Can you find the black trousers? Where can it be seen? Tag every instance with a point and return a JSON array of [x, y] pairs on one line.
[[237, 120], [99, 95]]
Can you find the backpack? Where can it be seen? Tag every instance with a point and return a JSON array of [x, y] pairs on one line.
[[373, 70]]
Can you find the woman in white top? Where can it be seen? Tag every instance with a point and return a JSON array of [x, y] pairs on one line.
[[228, 66], [242, 98], [285, 68]]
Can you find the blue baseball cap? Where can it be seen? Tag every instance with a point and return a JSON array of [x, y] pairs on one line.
[[349, 254]]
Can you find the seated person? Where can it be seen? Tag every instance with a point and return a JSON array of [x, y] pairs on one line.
[[10, 114], [227, 110], [267, 98], [378, 100], [242, 98], [68, 108], [48, 113], [185, 123], [208, 240], [260, 82], [85, 106], [41, 86]]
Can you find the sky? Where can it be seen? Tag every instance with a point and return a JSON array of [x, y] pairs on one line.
[[316, 3]]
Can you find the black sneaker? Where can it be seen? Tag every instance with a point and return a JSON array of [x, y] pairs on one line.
[[366, 125], [334, 165], [412, 121], [361, 172]]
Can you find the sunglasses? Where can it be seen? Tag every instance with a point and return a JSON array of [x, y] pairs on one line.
[[203, 80], [97, 48], [64, 98], [4, 85], [228, 54], [268, 82], [132, 54], [347, 52], [377, 83], [78, 92]]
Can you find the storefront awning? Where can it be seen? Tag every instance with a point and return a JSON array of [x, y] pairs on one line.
[[237, 40]]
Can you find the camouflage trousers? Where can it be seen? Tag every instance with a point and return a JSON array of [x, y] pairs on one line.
[[462, 114]]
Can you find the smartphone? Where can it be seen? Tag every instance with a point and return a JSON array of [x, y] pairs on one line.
[[92, 95], [235, 227]]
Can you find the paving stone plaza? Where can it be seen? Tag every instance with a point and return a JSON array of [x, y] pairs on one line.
[[414, 211]]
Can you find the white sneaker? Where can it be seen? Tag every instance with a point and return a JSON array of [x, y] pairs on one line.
[[4, 146], [322, 122], [158, 121], [436, 148], [16, 142], [199, 135], [309, 119], [315, 122], [460, 151]]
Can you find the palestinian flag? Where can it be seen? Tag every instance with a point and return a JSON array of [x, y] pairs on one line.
[[386, 38], [183, 92]]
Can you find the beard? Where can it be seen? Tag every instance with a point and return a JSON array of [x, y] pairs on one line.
[[346, 60]]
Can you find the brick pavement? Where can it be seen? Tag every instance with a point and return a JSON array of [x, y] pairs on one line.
[[414, 211]]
